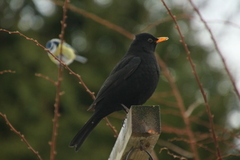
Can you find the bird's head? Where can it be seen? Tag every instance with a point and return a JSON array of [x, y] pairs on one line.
[[147, 42], [53, 44]]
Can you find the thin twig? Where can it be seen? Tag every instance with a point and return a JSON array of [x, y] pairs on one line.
[[175, 148], [218, 50], [111, 126], [210, 117], [46, 77], [187, 141], [164, 20], [58, 86], [172, 154], [61, 62], [21, 136], [230, 155], [107, 24], [169, 129], [226, 22], [7, 71], [181, 106], [98, 19]]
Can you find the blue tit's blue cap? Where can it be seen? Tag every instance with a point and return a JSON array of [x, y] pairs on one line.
[[52, 42], [49, 45]]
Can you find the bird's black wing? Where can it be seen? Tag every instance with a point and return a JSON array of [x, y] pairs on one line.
[[121, 72]]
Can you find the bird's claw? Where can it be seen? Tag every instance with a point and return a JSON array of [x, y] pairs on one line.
[[125, 108]]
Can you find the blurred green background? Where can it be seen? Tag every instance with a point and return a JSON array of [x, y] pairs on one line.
[[28, 100]]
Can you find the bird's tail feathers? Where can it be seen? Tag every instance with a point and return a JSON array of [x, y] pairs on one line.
[[80, 137], [80, 59]]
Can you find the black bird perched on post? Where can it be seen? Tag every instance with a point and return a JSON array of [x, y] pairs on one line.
[[131, 82]]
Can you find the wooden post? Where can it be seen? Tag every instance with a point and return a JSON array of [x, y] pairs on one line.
[[140, 131]]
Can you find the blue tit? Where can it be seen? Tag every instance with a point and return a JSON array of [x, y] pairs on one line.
[[68, 53]]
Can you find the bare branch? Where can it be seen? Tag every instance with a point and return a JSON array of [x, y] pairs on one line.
[[210, 117], [58, 87], [181, 107], [111, 126], [98, 19], [175, 148], [164, 20], [172, 154], [46, 78], [20, 135], [7, 71], [217, 48], [61, 62]]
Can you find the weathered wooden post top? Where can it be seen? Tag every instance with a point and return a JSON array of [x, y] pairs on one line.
[[139, 134]]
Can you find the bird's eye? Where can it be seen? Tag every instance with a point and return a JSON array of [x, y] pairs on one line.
[[150, 40]]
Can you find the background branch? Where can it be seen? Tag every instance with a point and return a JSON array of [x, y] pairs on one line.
[[218, 50], [22, 137], [7, 71], [61, 62], [180, 106], [210, 116], [98, 19], [53, 151], [103, 39]]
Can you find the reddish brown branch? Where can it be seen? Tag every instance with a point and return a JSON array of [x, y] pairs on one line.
[[226, 22], [58, 86], [210, 117], [46, 78], [7, 71], [111, 126], [163, 20], [169, 129], [172, 154], [175, 148], [181, 106], [107, 24], [98, 19], [230, 155], [218, 50], [184, 16], [164, 101], [187, 141], [61, 62], [20, 135]]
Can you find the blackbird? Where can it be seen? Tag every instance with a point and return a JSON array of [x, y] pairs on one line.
[[131, 82]]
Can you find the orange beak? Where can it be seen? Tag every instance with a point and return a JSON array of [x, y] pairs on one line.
[[161, 39]]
